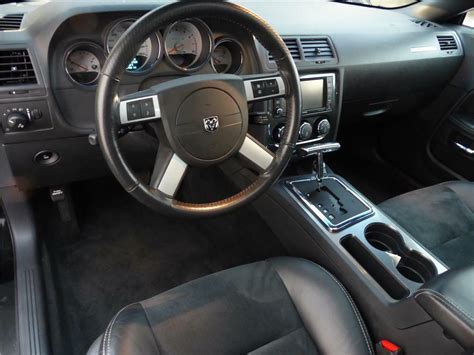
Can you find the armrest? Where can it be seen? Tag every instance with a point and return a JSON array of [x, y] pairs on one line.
[[449, 300]]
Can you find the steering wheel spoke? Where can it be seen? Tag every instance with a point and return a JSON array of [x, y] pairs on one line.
[[140, 107], [263, 88], [168, 172], [256, 154]]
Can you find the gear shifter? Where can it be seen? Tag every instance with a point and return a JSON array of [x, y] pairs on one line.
[[327, 195], [318, 165]]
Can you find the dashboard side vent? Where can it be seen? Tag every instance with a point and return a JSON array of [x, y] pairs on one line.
[[16, 68], [447, 42], [315, 49], [424, 23], [11, 22], [293, 47]]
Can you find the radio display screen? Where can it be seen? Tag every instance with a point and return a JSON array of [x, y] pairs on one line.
[[312, 92]]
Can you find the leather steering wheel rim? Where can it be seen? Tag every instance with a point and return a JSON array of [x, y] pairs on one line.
[[107, 103]]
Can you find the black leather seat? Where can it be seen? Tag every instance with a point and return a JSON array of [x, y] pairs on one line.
[[279, 306], [440, 217]]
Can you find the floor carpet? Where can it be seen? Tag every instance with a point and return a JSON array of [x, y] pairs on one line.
[[125, 252]]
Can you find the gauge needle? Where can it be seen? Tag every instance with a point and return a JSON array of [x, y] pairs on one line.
[[79, 65], [175, 48]]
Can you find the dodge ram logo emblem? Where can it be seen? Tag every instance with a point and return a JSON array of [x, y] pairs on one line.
[[211, 124]]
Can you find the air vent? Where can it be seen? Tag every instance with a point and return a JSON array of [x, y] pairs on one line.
[[424, 23], [315, 49], [447, 42], [292, 44], [11, 22], [16, 68]]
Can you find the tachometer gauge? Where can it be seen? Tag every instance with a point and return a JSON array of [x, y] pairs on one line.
[[227, 56], [188, 44], [83, 63], [147, 55]]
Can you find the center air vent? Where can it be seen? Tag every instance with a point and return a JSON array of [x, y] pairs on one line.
[[310, 49], [16, 68], [292, 44], [11, 22], [447, 42], [315, 49]]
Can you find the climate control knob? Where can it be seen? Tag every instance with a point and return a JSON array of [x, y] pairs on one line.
[[278, 133], [324, 126], [306, 131], [17, 121]]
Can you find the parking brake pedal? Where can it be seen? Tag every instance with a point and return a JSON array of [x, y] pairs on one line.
[[61, 199]]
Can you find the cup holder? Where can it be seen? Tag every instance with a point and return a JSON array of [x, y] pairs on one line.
[[412, 265]]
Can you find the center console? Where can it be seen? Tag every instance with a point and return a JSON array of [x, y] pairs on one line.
[[320, 98], [322, 217]]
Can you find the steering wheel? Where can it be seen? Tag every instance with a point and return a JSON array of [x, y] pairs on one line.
[[200, 120]]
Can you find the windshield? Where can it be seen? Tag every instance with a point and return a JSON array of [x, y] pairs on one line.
[[390, 4]]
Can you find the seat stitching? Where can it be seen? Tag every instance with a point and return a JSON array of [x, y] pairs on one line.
[[108, 333], [354, 308], [151, 328], [445, 299]]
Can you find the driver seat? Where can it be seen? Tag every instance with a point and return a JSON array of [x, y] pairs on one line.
[[279, 306]]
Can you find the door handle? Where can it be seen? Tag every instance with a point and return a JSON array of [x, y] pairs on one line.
[[464, 148]]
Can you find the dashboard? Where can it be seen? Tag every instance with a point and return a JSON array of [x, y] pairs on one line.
[[353, 61], [193, 46]]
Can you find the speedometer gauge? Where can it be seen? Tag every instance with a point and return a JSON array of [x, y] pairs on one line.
[[188, 44], [148, 53]]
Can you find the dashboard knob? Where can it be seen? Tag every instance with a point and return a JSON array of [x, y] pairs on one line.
[[17, 121], [306, 131], [278, 111], [324, 127], [278, 133]]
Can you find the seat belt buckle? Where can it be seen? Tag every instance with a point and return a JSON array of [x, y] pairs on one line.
[[385, 347]]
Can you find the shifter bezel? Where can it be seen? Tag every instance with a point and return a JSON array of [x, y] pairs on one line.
[[292, 187]]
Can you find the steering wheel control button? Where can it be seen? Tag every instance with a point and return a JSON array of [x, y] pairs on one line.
[[46, 157], [265, 88], [259, 89], [147, 109], [133, 111]]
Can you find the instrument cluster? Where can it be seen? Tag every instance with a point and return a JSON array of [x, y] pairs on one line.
[[186, 45]]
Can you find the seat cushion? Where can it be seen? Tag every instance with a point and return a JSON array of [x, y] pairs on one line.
[[278, 306], [440, 217]]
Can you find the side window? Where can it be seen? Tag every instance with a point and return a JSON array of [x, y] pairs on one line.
[[469, 19]]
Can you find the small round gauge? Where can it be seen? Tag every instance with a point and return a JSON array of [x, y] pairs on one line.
[[227, 56], [188, 44], [148, 53], [83, 64]]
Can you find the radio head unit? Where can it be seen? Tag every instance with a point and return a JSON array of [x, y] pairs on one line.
[[317, 93]]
